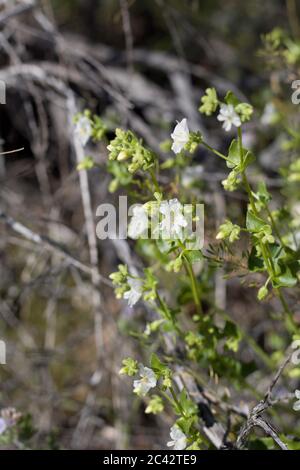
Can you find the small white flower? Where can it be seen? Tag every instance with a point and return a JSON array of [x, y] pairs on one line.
[[147, 381], [229, 116], [180, 136], [83, 130], [134, 294], [173, 221], [178, 438], [268, 115], [3, 426], [139, 223], [296, 405]]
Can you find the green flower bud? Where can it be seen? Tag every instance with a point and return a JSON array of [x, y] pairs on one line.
[[245, 111], [262, 293], [228, 230], [209, 102], [86, 164], [130, 367], [155, 405], [232, 182]]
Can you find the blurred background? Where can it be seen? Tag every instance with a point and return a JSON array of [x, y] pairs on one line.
[[141, 64]]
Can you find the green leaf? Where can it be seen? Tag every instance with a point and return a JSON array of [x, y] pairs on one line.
[[194, 256], [156, 363], [253, 223], [255, 263], [233, 155], [285, 280], [159, 367], [263, 193], [188, 406], [248, 158], [230, 98], [233, 336]]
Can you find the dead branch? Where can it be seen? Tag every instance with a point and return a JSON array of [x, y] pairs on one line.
[[256, 420], [48, 244]]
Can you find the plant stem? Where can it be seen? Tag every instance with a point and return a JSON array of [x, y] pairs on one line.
[[154, 180], [266, 249], [290, 322], [252, 343], [189, 269], [274, 226], [192, 276], [163, 306], [219, 154], [172, 391]]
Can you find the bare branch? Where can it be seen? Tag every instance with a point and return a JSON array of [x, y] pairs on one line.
[[255, 419], [49, 244]]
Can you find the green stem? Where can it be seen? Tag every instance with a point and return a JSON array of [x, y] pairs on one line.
[[193, 280], [219, 154], [293, 18], [252, 343], [191, 274], [163, 306], [274, 226], [154, 180], [168, 315], [266, 250], [172, 391], [290, 322]]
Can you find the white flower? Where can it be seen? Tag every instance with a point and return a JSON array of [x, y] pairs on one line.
[[134, 294], [83, 130], [178, 438], [296, 405], [139, 223], [148, 380], [229, 116], [173, 220], [268, 115], [180, 136], [3, 426]]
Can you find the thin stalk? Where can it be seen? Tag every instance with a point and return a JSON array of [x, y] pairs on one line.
[[251, 342], [164, 307], [191, 274], [154, 180], [172, 391], [274, 226], [194, 283], [219, 154], [290, 322], [267, 255]]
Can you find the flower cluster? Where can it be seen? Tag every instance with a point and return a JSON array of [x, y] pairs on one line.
[[230, 231], [160, 376], [133, 288], [126, 146], [200, 338], [88, 126], [166, 220], [231, 113]]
